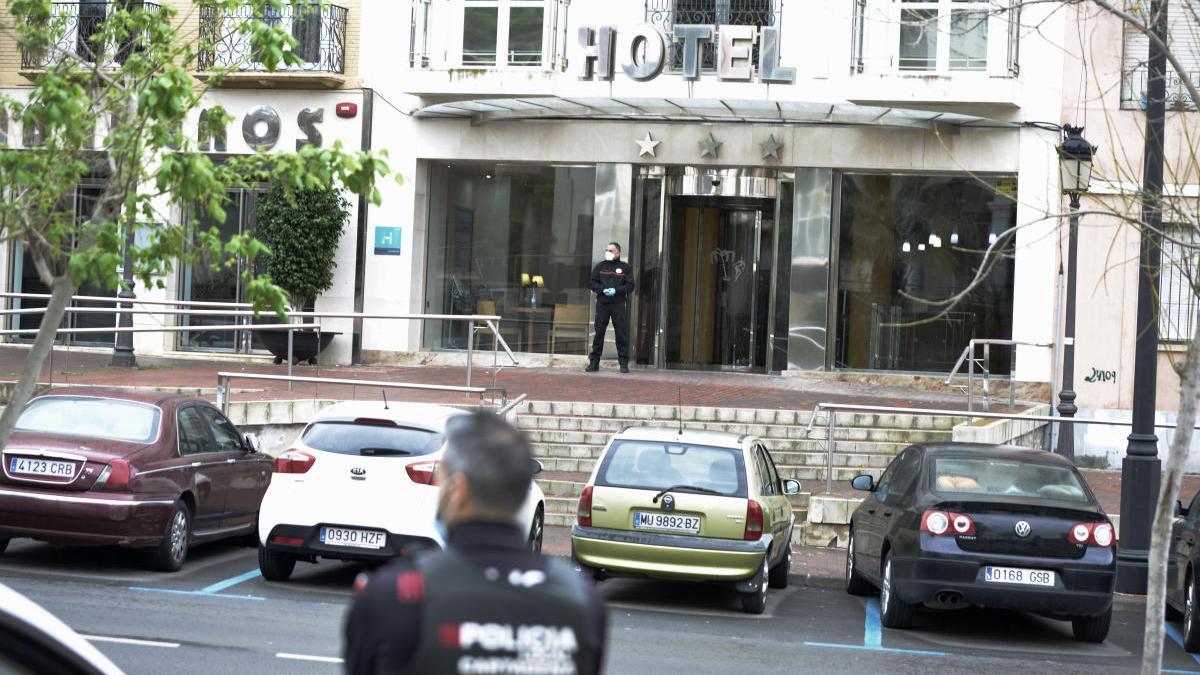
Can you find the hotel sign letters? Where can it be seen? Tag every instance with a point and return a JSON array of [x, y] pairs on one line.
[[644, 51]]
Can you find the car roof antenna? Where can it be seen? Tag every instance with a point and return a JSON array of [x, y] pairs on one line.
[[385, 403], [679, 410]]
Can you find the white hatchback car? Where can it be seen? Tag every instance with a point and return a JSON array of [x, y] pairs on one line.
[[359, 484]]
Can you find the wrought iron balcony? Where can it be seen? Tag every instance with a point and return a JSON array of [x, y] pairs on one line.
[[1133, 89], [320, 34], [77, 26], [666, 14]]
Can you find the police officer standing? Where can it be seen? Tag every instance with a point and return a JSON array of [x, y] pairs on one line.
[[488, 603], [612, 282]]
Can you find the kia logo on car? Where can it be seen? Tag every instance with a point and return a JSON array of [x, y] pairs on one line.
[[358, 473], [1022, 528], [668, 503]]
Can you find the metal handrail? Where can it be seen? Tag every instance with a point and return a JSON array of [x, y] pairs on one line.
[[831, 410], [511, 405], [490, 321], [968, 355], [224, 378]]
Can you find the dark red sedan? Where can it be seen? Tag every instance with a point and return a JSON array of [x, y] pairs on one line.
[[142, 470]]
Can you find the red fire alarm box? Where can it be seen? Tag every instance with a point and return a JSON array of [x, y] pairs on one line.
[[347, 109]]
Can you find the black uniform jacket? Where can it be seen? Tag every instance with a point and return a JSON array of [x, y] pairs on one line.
[[615, 274], [383, 624]]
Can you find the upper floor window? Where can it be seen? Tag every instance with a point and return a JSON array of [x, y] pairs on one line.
[[1176, 292], [503, 32], [943, 35], [80, 29], [319, 31], [1184, 42], [666, 14]]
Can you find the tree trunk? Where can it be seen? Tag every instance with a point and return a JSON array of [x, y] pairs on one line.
[[1164, 512], [61, 290]]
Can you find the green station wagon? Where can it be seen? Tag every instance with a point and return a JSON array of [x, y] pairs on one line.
[[687, 505]]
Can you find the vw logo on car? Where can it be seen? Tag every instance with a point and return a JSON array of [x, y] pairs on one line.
[[1022, 528]]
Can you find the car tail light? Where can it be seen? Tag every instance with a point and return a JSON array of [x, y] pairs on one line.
[[583, 514], [115, 476], [294, 461], [424, 473], [1098, 534], [947, 522], [754, 521], [287, 541]]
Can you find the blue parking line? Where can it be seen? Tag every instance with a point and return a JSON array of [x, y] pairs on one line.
[[213, 590], [231, 581], [873, 636], [1175, 635], [872, 630]]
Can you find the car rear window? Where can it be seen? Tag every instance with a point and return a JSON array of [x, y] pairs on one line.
[[1007, 477], [356, 438], [91, 417], [656, 465]]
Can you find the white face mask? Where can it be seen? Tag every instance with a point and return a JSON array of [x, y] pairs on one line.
[[608, 255]]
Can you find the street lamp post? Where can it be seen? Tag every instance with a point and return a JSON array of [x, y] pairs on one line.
[[122, 356], [1075, 170]]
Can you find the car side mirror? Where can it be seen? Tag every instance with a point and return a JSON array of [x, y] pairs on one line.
[[249, 444], [864, 482], [791, 487], [1179, 510], [537, 466]]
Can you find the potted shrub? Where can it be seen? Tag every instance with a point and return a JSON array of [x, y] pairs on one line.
[[302, 228]]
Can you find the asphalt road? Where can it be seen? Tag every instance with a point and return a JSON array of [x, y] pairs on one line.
[[219, 616]]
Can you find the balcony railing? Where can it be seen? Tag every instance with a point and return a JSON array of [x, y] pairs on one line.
[[1133, 89], [666, 14], [320, 34], [76, 26]]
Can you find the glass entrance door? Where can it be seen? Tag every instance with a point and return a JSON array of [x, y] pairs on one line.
[[717, 290]]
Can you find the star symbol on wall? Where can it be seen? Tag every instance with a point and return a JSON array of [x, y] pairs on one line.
[[771, 148], [710, 147], [647, 145]]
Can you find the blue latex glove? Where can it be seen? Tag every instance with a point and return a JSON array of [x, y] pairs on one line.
[[610, 292]]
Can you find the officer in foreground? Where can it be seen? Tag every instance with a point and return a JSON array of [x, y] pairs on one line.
[[487, 604]]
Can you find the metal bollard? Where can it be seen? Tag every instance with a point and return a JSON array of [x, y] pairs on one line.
[[829, 446], [290, 359]]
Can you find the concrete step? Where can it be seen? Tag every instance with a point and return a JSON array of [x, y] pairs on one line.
[[779, 450], [611, 425], [902, 437], [646, 413]]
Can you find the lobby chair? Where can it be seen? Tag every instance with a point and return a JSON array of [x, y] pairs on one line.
[[508, 331], [570, 323]]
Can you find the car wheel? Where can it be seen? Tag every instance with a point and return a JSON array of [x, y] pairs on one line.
[[893, 612], [1092, 628], [170, 553], [275, 566], [855, 583], [537, 531], [1191, 622], [778, 577], [755, 602]]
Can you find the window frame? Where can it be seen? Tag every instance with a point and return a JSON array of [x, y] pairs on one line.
[[502, 54], [943, 35], [209, 448], [1179, 295], [218, 421]]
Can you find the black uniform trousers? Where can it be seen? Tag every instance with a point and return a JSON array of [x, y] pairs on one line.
[[618, 312]]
